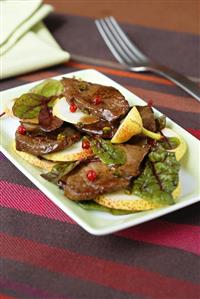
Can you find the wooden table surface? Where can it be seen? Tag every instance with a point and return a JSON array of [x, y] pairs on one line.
[[177, 15]]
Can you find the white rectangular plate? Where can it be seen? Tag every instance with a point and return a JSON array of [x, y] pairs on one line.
[[101, 223]]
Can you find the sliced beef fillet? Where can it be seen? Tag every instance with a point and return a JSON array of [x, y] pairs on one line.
[[106, 102], [55, 124], [109, 179], [31, 127], [43, 143], [102, 129], [78, 187], [147, 116], [134, 155]]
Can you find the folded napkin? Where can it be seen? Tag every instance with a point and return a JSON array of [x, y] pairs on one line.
[[25, 43]]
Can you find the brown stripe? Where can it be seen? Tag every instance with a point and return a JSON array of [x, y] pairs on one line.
[[28, 290], [182, 118], [59, 284], [24, 200], [183, 15], [138, 83], [123, 80], [97, 270], [165, 100], [38, 75], [181, 53], [130, 251], [10, 173], [16, 293], [120, 73], [46, 74], [11, 83], [110, 64]]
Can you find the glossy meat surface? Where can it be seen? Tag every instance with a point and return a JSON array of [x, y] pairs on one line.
[[112, 104]]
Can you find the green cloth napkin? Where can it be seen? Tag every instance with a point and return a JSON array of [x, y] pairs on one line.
[[25, 43]]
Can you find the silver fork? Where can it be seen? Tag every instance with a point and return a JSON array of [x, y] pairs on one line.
[[127, 53]]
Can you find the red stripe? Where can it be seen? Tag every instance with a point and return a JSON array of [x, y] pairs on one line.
[[181, 236], [6, 297], [38, 75], [133, 280], [30, 200], [195, 133]]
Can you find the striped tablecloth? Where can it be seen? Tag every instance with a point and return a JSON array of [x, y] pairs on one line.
[[44, 254]]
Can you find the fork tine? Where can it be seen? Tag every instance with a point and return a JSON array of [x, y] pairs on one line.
[[111, 43], [131, 45], [121, 42]]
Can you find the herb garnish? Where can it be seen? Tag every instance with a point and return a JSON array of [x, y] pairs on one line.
[[160, 123], [28, 105], [38, 104], [169, 143], [48, 88], [59, 170], [107, 152], [159, 177]]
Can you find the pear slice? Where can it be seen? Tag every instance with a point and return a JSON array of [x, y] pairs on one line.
[[61, 109], [181, 149], [73, 153], [121, 201], [132, 125], [35, 161]]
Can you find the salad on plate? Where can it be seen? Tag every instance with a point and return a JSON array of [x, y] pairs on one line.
[[103, 153]]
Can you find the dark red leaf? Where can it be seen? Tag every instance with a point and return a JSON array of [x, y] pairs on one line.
[[45, 116], [47, 121]]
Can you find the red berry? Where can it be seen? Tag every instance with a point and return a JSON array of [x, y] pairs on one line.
[[91, 175], [97, 100], [85, 144], [21, 130], [73, 108], [150, 103]]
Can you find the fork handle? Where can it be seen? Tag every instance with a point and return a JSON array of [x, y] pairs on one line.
[[180, 80]]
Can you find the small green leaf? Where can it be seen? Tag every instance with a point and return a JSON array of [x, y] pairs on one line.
[[107, 152], [160, 123], [28, 105], [91, 205], [49, 88], [59, 170], [170, 143], [159, 177]]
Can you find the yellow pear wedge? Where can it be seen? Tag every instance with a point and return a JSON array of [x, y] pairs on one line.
[[131, 125], [73, 153], [130, 202], [181, 149]]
